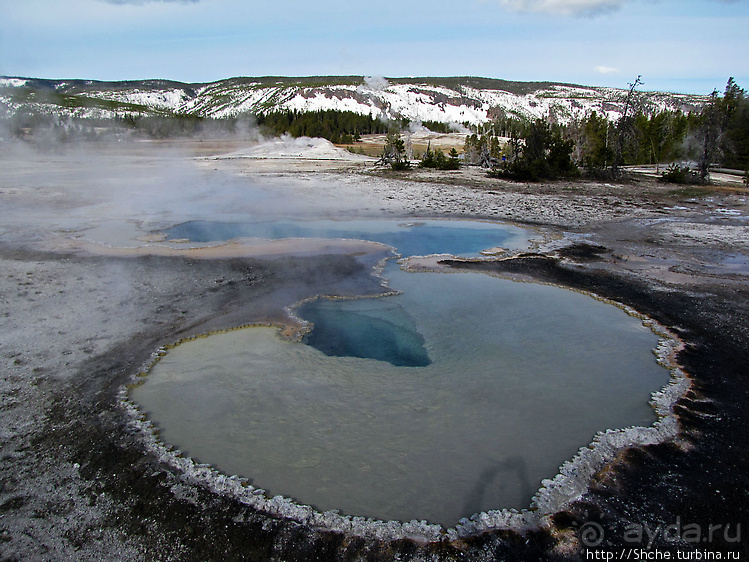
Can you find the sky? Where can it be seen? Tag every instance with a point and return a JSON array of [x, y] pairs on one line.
[[686, 46]]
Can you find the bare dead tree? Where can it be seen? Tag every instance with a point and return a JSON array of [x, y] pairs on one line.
[[624, 125], [710, 133]]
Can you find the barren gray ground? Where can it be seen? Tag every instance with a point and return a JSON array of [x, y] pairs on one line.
[[78, 320]]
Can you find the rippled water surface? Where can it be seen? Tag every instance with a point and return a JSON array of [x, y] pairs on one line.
[[505, 382]]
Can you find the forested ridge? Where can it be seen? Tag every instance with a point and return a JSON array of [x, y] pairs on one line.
[[686, 144], [340, 127], [691, 143]]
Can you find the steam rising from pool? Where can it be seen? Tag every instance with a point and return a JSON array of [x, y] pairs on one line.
[[504, 382]]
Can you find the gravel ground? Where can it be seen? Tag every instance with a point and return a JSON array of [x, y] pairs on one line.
[[77, 481]]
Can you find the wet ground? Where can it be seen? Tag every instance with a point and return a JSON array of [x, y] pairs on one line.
[[77, 481]]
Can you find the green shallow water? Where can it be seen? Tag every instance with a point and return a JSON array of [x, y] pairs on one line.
[[520, 376]]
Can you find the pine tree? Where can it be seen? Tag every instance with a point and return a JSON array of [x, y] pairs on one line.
[[544, 155], [735, 119], [394, 152]]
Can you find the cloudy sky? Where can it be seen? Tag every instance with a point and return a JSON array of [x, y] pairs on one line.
[[689, 46]]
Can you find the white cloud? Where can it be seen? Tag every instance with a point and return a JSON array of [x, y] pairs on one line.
[[606, 70], [574, 7], [141, 2], [567, 7]]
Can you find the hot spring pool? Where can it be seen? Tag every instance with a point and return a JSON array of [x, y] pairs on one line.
[[458, 395], [409, 237]]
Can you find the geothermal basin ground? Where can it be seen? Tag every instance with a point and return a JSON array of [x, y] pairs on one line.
[[90, 292]]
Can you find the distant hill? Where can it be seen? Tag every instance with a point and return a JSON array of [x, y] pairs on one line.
[[459, 100]]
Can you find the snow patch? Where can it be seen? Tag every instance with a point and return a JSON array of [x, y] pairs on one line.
[[12, 82], [375, 96], [171, 100]]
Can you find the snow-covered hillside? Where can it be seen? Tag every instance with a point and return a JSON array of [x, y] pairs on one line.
[[451, 100]]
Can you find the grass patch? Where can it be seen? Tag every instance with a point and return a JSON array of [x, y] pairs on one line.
[[692, 191]]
